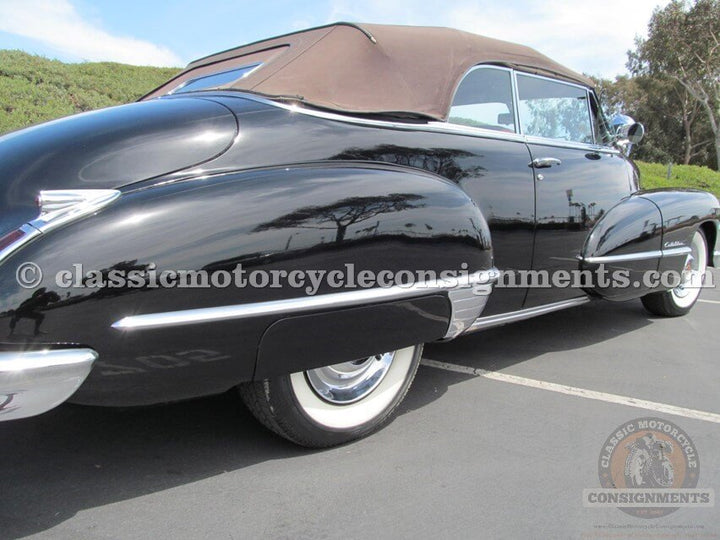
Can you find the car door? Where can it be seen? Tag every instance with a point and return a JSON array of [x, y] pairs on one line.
[[577, 179], [496, 173]]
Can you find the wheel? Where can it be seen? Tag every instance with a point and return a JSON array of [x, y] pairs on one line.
[[335, 404], [682, 298]]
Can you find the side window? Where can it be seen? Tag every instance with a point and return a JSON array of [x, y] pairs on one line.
[[553, 110], [484, 100]]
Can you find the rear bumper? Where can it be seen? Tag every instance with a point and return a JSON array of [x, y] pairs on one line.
[[32, 382]]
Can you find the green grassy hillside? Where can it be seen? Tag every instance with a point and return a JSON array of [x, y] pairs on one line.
[[654, 175], [34, 89]]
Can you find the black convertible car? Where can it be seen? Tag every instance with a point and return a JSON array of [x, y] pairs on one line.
[[231, 228]]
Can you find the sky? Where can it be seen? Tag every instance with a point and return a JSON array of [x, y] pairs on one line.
[[588, 36]]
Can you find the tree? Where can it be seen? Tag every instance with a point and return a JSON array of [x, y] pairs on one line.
[[342, 214], [677, 129], [683, 45]]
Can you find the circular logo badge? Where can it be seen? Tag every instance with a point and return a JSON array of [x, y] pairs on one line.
[[651, 456]]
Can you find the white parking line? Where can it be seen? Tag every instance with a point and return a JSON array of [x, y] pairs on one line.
[[709, 301], [574, 391]]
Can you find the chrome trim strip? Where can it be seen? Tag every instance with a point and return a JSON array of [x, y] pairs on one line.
[[305, 303], [431, 127], [516, 102], [32, 382], [458, 129], [483, 323], [608, 259], [675, 252], [556, 143], [639, 256], [593, 125], [550, 79]]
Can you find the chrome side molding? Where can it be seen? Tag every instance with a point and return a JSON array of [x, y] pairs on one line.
[[308, 303], [33, 382], [483, 323], [639, 256]]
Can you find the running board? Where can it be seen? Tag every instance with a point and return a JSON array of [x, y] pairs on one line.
[[483, 323]]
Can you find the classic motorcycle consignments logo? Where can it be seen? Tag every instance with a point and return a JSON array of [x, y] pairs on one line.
[[648, 468]]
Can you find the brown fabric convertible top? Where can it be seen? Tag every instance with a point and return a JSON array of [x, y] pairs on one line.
[[369, 68]]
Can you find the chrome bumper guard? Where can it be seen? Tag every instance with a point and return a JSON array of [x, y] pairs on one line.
[[33, 382], [468, 298]]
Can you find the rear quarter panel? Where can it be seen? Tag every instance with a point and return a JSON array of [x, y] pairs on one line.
[[281, 218]]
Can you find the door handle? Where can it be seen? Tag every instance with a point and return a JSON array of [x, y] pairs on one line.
[[544, 163]]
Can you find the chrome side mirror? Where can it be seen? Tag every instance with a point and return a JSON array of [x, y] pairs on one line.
[[636, 133], [627, 132]]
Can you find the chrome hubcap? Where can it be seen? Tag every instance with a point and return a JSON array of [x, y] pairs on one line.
[[349, 382], [691, 278]]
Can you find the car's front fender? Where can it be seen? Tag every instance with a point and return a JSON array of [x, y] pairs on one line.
[[648, 231]]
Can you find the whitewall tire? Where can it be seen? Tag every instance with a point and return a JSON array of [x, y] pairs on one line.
[[681, 299], [335, 404]]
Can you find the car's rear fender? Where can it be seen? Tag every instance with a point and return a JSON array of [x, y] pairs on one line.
[[279, 218]]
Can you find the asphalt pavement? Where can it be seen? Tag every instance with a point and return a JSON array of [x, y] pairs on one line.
[[498, 437]]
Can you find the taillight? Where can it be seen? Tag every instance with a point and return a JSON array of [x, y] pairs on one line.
[[56, 208], [13, 240], [9, 238]]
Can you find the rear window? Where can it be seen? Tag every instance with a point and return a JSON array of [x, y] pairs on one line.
[[214, 80], [218, 73]]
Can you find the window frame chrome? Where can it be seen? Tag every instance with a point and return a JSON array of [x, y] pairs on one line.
[[563, 143], [513, 94], [518, 135]]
